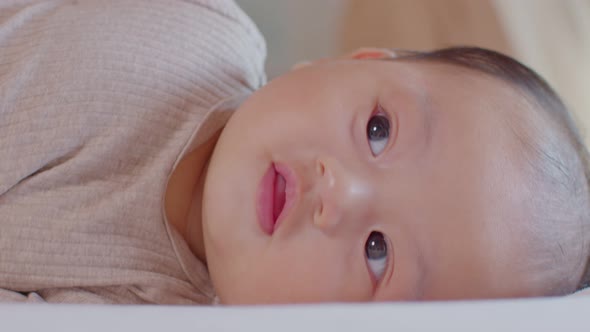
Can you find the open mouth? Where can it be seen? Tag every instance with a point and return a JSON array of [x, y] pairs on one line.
[[273, 198]]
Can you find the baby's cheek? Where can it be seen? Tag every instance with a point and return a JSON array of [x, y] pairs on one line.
[[315, 271]]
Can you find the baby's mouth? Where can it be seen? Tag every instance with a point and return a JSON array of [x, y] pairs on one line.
[[277, 194], [272, 198], [279, 197]]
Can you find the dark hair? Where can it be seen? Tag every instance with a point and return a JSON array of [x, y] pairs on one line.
[[537, 90]]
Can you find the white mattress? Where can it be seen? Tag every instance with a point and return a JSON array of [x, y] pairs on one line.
[[556, 314]]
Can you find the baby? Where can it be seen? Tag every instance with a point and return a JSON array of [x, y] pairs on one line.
[[140, 168], [450, 174]]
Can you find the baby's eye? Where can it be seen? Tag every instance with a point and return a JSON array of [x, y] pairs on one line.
[[378, 133], [376, 253]]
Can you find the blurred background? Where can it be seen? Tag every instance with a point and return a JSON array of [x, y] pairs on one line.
[[551, 36]]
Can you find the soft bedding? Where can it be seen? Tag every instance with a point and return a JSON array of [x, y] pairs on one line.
[[542, 314]]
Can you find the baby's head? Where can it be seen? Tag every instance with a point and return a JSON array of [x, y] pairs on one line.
[[445, 175]]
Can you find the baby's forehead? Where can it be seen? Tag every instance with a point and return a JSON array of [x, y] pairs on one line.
[[530, 117]]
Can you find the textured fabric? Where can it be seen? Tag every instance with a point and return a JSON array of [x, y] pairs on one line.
[[99, 100]]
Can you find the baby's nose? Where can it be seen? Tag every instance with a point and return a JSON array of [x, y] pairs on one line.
[[344, 195]]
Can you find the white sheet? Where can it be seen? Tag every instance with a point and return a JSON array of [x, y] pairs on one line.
[[556, 314]]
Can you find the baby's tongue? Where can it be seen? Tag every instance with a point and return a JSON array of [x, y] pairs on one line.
[[279, 199]]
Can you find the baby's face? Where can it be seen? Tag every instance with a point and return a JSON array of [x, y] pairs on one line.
[[361, 180]]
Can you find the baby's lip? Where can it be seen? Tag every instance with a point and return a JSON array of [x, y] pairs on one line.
[[265, 200], [277, 193], [279, 196], [289, 193]]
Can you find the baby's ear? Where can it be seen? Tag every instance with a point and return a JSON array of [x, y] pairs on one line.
[[371, 53]]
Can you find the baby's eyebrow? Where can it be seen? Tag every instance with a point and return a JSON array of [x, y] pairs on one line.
[[424, 102], [415, 288]]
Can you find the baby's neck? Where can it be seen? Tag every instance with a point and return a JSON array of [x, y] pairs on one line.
[[184, 196]]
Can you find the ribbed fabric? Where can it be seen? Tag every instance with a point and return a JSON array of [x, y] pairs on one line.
[[98, 102]]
